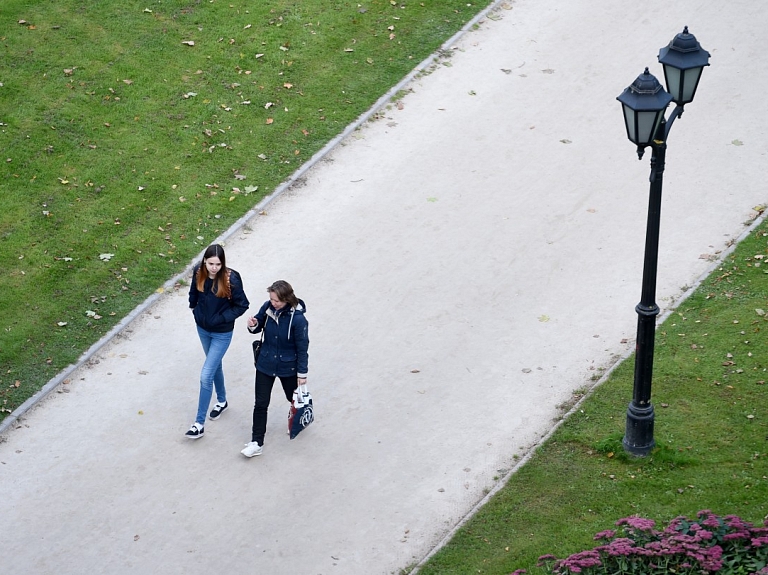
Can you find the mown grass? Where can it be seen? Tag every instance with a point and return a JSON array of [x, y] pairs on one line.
[[711, 430], [145, 129]]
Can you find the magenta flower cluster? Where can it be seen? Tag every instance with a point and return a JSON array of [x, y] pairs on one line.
[[708, 544]]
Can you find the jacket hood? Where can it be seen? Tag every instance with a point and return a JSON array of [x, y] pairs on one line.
[[277, 314]]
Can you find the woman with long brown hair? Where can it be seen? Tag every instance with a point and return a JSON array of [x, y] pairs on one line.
[[217, 299]]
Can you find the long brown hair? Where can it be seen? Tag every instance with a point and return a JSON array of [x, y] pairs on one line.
[[220, 288], [284, 292]]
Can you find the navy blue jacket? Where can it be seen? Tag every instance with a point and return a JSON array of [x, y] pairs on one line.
[[286, 340], [217, 314]]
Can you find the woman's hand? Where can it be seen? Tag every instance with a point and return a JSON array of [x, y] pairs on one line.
[[301, 380], [252, 322]]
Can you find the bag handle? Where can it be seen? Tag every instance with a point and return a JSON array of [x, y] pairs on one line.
[[300, 393]]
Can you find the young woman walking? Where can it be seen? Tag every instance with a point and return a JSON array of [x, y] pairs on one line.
[[217, 299], [284, 354]]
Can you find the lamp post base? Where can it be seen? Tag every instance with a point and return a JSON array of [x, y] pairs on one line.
[[638, 438]]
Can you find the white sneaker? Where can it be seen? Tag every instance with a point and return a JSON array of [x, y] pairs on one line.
[[252, 449], [195, 432]]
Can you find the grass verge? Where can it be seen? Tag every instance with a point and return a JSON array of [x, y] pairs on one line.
[[134, 134], [711, 430]]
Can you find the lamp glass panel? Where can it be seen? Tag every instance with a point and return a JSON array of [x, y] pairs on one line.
[[646, 126], [691, 79], [629, 120], [673, 81]]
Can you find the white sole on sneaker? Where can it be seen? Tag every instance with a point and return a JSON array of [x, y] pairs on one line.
[[200, 431], [251, 451]]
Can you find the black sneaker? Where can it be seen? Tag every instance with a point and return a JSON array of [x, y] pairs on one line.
[[217, 410], [195, 432]]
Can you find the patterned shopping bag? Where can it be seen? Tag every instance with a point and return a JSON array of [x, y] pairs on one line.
[[301, 413]]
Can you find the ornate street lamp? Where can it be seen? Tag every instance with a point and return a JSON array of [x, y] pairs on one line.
[[683, 60], [644, 104]]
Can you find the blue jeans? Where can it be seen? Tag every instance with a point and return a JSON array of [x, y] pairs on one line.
[[215, 345]]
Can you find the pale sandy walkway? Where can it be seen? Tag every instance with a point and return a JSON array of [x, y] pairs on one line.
[[467, 261]]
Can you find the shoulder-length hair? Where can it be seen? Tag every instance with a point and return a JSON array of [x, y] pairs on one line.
[[284, 292], [220, 285]]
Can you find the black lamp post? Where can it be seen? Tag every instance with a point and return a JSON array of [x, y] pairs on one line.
[[644, 104]]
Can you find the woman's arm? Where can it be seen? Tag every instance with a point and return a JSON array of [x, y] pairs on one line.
[[301, 339], [238, 303], [193, 293], [256, 322]]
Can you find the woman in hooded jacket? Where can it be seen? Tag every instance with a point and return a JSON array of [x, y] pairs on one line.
[[284, 354], [217, 299]]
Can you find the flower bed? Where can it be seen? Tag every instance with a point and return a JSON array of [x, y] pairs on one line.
[[708, 544]]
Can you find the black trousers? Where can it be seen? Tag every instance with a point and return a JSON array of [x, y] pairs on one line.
[[263, 393]]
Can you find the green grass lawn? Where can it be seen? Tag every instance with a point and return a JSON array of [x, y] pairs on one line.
[[711, 429], [134, 134]]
